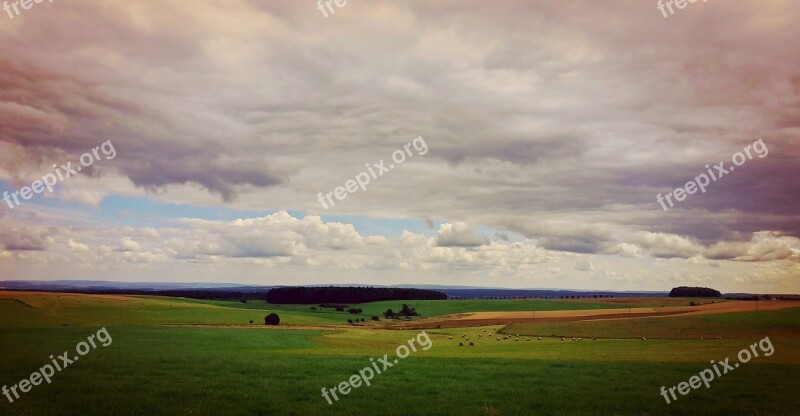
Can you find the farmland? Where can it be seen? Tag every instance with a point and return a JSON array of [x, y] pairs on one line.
[[156, 367]]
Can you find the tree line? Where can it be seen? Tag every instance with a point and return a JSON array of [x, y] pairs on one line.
[[347, 295], [694, 292]]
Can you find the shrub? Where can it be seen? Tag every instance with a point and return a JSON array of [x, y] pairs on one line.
[[349, 321], [408, 311], [272, 319], [376, 318], [355, 310]]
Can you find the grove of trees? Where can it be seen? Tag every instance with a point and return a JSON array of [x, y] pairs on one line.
[[404, 311], [347, 295], [694, 292]]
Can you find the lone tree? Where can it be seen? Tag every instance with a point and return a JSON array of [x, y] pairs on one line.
[[272, 319]]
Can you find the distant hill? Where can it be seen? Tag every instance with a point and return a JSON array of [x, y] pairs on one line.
[[239, 291], [541, 293]]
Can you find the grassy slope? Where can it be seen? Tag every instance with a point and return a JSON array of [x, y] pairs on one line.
[[45, 309], [692, 327]]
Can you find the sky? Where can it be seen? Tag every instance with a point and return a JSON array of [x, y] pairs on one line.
[[518, 144]]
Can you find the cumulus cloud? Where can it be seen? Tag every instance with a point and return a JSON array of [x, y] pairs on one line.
[[763, 246], [76, 246], [626, 249], [459, 235], [16, 237], [275, 235]]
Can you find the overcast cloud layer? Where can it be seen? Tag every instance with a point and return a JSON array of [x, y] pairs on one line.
[[551, 128]]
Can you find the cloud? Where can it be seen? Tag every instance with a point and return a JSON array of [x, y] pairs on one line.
[[539, 125], [667, 245], [14, 237], [584, 265], [275, 235], [626, 249], [763, 246], [127, 244], [459, 235], [77, 247]]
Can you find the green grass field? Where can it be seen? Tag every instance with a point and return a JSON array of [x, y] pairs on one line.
[[727, 325], [27, 309], [164, 370]]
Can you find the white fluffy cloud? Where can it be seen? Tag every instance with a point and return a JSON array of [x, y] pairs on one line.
[[459, 235]]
